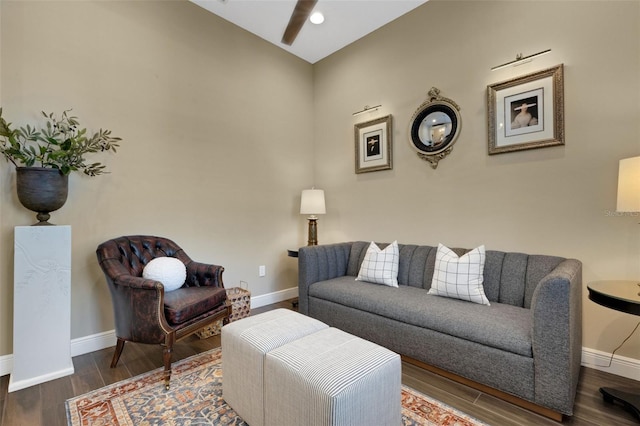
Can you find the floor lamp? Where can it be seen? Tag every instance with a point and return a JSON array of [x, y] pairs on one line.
[[312, 203], [629, 185], [616, 294]]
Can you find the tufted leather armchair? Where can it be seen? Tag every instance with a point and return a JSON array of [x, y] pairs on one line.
[[143, 312]]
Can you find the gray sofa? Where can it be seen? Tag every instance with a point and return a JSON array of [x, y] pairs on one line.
[[526, 344]]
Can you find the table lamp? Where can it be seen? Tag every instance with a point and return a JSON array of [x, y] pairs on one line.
[[312, 203], [629, 185]]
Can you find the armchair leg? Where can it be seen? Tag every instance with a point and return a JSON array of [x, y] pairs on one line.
[[166, 356], [167, 352], [117, 353], [227, 317]]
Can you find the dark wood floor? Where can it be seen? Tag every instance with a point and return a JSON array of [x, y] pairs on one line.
[[44, 404]]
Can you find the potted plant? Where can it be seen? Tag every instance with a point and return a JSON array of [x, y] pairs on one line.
[[45, 156]]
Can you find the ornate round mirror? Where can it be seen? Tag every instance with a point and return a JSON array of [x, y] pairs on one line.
[[434, 127]]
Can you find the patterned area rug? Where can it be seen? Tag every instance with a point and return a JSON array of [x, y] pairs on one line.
[[195, 398]]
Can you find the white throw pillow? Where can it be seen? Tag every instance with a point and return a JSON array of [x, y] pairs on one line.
[[380, 266], [459, 277], [170, 271]]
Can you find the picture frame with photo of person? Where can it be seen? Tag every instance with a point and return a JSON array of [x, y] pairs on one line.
[[526, 112], [373, 145]]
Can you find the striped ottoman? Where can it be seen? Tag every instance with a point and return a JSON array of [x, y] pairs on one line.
[[244, 345], [332, 378]]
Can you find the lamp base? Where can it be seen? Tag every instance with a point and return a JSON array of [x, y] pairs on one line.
[[313, 232]]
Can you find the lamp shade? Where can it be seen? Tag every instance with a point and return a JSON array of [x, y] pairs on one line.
[[312, 202], [629, 185]]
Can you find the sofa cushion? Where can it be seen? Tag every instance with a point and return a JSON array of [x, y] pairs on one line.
[[380, 266], [500, 325], [459, 277]]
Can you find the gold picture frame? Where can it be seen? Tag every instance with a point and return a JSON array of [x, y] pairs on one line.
[[373, 140], [526, 112]]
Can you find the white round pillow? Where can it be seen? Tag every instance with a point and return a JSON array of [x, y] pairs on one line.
[[170, 271]]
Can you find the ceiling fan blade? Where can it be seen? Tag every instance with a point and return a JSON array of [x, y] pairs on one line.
[[298, 17]]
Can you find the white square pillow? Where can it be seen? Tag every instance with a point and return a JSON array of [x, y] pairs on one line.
[[380, 266], [459, 277], [170, 271]]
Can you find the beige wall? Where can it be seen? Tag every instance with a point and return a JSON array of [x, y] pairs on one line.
[[216, 127], [550, 201], [222, 130]]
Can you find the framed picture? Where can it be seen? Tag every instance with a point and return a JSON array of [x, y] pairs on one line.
[[526, 112], [373, 145]]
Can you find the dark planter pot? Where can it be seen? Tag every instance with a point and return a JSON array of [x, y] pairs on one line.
[[41, 190]]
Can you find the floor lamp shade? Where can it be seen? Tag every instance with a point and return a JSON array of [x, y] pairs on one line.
[[312, 203], [629, 185]]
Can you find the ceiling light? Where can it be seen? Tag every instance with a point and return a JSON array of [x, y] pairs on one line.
[[316, 18]]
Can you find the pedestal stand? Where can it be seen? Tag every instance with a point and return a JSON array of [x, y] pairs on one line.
[[41, 305]]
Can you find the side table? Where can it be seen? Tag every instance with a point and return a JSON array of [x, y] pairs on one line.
[[293, 253], [622, 296]]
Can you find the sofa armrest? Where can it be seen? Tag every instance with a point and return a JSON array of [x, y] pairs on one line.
[[557, 336], [320, 263]]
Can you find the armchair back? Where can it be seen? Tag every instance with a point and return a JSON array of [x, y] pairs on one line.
[[132, 253]]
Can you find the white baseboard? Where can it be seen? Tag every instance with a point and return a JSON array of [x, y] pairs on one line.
[[79, 346], [95, 342], [620, 365], [6, 364], [106, 339], [278, 296], [32, 381]]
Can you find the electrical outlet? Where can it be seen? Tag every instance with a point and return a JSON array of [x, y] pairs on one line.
[[262, 270]]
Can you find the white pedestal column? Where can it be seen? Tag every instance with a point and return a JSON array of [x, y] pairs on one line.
[[41, 305]]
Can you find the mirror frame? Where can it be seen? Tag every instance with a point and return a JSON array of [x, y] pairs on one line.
[[435, 103]]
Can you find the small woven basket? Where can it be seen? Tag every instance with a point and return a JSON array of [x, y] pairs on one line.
[[240, 308]]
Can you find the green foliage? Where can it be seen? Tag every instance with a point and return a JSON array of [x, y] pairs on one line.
[[60, 144]]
